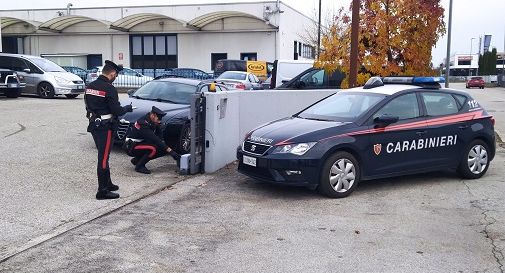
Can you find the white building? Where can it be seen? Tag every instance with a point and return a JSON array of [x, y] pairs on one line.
[[159, 37], [467, 65], [464, 64]]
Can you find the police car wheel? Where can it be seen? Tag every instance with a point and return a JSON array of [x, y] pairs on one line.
[[45, 90], [340, 175], [475, 161]]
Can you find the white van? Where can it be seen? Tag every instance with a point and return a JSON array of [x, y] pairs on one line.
[[285, 70]]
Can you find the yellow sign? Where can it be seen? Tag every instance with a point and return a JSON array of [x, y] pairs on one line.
[[258, 68]]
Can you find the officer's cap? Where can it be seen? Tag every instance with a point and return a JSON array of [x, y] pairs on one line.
[[155, 110], [116, 67]]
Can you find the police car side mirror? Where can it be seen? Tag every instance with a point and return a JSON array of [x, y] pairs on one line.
[[27, 70], [130, 92], [385, 120]]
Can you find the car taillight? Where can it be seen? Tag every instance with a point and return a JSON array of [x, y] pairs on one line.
[[493, 121], [240, 86]]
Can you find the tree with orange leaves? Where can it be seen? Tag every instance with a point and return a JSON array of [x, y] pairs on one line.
[[396, 38]]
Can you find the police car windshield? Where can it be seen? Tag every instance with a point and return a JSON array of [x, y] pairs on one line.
[[46, 65], [343, 106], [173, 92]]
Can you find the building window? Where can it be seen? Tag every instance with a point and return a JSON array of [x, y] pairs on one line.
[[13, 45], [303, 50], [464, 62], [214, 57], [152, 54], [249, 56]]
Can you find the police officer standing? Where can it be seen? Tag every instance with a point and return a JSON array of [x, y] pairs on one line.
[[103, 108], [144, 141]]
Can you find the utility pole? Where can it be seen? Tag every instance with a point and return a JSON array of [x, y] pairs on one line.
[[319, 32], [471, 57], [353, 71], [1, 37], [448, 56], [478, 56]]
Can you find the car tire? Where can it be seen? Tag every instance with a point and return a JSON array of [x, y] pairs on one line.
[[482, 87], [475, 160], [45, 90], [467, 86], [340, 175], [71, 96], [184, 143], [13, 92]]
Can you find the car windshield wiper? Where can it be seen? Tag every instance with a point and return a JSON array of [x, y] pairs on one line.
[[141, 98], [319, 119], [165, 100]]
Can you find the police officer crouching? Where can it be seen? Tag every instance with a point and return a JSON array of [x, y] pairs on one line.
[[144, 141], [103, 108]]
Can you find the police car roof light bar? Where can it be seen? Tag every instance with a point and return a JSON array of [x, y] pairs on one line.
[[422, 81]]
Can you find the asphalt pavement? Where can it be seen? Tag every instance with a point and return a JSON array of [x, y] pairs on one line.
[[48, 172], [226, 222]]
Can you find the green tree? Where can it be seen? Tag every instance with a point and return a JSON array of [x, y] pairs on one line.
[[487, 63]]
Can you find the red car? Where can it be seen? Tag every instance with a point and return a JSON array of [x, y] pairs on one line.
[[475, 82]]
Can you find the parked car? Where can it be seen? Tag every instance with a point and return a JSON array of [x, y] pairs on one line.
[[82, 73], [389, 127], [10, 84], [285, 70], [173, 96], [240, 80], [475, 82], [126, 78], [260, 69], [315, 78], [43, 77], [190, 73]]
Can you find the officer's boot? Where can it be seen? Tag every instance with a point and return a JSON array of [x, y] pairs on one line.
[[135, 160], [110, 185], [141, 164], [176, 157], [103, 192]]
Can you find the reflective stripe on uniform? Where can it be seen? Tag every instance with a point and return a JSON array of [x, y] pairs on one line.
[[107, 149], [97, 93], [147, 147]]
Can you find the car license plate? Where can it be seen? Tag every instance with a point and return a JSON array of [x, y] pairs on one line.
[[251, 161], [12, 85]]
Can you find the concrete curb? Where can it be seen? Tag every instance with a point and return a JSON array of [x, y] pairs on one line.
[[88, 217]]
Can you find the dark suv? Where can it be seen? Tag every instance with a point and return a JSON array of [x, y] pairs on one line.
[[10, 84]]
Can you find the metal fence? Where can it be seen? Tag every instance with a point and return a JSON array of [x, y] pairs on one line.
[[135, 78]]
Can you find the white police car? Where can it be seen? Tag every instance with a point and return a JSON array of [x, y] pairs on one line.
[[392, 126]]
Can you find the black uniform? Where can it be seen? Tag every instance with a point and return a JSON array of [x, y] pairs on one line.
[[103, 108], [145, 138]]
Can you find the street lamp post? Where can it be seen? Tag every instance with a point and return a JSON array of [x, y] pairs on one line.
[[471, 57], [448, 56], [319, 32]]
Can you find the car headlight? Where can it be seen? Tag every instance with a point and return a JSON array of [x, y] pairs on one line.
[[296, 149], [61, 80]]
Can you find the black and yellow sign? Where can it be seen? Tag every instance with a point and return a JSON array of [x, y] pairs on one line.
[[258, 68]]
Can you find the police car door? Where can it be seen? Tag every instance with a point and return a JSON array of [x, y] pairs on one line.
[[444, 139], [395, 148]]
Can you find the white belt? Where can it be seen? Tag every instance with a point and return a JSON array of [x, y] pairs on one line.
[[104, 117], [134, 139]]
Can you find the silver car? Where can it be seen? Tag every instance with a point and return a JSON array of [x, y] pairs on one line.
[[127, 77], [43, 77], [240, 80]]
